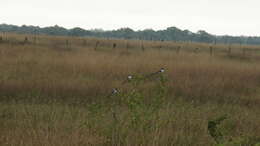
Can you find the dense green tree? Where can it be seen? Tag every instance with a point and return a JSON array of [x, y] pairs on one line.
[[169, 34]]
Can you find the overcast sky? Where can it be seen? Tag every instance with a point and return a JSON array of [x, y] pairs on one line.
[[233, 17]]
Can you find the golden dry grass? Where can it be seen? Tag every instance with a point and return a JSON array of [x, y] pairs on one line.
[[47, 87]]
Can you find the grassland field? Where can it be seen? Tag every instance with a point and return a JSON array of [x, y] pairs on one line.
[[56, 91]]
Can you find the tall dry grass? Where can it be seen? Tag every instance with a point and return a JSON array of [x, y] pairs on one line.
[[48, 85]]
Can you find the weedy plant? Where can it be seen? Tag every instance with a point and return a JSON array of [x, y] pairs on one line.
[[214, 131], [141, 113], [135, 99], [221, 140]]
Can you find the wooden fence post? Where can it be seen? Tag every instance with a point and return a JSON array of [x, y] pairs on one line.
[[114, 45], [96, 46], [25, 40], [67, 44], [127, 46], [196, 50], [178, 49], [229, 50], [142, 46], [84, 43], [244, 52], [211, 50]]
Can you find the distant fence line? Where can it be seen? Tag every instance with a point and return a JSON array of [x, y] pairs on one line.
[[135, 44]]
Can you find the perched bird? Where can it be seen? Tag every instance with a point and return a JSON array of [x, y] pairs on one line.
[[129, 78], [114, 91], [162, 70]]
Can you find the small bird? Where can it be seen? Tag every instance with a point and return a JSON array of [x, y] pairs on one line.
[[129, 78], [114, 91], [162, 70]]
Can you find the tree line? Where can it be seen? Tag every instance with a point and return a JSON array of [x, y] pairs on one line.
[[169, 34]]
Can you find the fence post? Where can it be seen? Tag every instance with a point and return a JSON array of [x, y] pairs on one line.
[[96, 46], [244, 52], [25, 40], [114, 45], [34, 39], [67, 44], [196, 50], [84, 43], [211, 50], [229, 50], [142, 46], [127, 46], [161, 43], [4, 37], [178, 49]]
